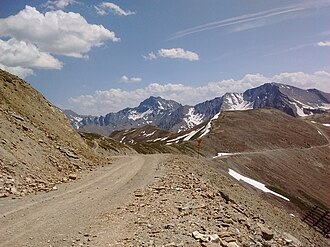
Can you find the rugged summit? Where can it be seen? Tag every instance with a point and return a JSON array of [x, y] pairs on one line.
[[170, 115], [150, 111]]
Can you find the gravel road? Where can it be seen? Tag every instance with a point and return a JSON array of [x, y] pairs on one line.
[[69, 216]]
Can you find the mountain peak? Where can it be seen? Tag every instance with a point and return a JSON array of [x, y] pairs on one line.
[[158, 103], [171, 115]]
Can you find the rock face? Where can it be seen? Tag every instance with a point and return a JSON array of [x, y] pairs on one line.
[[170, 115], [38, 146]]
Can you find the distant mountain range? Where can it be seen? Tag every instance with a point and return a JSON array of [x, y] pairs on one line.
[[172, 116]]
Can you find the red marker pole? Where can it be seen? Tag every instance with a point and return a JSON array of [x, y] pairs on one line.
[[199, 141]]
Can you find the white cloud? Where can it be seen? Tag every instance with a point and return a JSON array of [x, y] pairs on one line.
[[24, 54], [323, 43], [102, 102], [105, 8], [58, 4], [19, 71], [55, 32], [126, 79], [35, 37], [173, 53], [150, 56]]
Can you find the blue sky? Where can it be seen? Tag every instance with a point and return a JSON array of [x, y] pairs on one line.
[[96, 57]]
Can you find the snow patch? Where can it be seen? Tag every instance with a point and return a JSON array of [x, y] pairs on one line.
[[178, 138], [134, 115], [193, 119], [191, 134], [254, 183], [150, 134], [300, 111], [208, 126], [236, 102], [122, 139], [223, 154], [160, 105]]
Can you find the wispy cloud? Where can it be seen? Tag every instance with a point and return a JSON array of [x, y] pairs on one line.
[[126, 79], [294, 48], [323, 43], [254, 20], [173, 53], [105, 8], [59, 4]]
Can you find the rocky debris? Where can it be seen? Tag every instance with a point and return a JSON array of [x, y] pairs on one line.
[[185, 209], [70, 153]]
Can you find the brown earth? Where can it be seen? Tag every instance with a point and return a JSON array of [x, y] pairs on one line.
[[150, 201], [38, 147], [290, 155], [260, 129]]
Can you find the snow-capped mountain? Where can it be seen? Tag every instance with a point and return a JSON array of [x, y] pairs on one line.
[[170, 115], [150, 111], [289, 99]]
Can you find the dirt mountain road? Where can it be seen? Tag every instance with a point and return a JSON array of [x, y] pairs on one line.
[[71, 214]]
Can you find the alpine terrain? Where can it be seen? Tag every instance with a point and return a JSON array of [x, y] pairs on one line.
[[172, 116], [168, 175]]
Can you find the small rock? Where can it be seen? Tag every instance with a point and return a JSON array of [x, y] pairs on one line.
[[17, 117], [169, 226], [3, 195], [139, 194], [73, 176], [170, 245], [225, 234], [228, 221], [232, 244], [13, 190], [266, 233], [214, 238], [291, 239]]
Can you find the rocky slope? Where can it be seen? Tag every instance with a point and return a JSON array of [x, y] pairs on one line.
[[194, 205], [38, 146], [170, 115]]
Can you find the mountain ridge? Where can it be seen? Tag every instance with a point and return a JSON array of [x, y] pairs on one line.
[[173, 116]]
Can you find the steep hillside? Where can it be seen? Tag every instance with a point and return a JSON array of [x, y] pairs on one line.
[[288, 154], [38, 146], [260, 129]]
